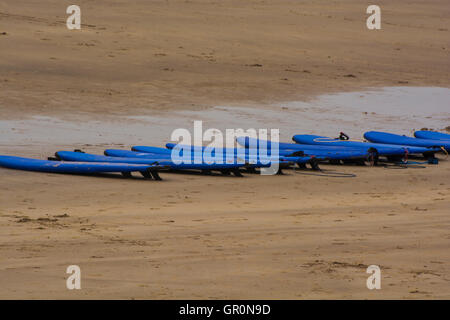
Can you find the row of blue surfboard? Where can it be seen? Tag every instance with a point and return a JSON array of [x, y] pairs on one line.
[[307, 149]]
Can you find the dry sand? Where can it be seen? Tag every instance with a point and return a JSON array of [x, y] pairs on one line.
[[135, 56], [189, 236], [295, 236]]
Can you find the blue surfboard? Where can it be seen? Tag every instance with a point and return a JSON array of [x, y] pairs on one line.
[[432, 135], [240, 152], [155, 150], [330, 152], [28, 164], [209, 156], [117, 156], [199, 160], [382, 149], [135, 154], [396, 139], [249, 142]]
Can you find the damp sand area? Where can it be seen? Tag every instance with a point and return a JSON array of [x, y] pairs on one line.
[[394, 109]]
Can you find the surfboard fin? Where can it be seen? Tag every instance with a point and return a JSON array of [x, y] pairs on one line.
[[314, 163], [155, 175], [301, 165], [237, 173], [251, 170], [126, 174], [146, 174]]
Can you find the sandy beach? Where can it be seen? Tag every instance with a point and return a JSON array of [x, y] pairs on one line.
[[275, 237], [302, 235]]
